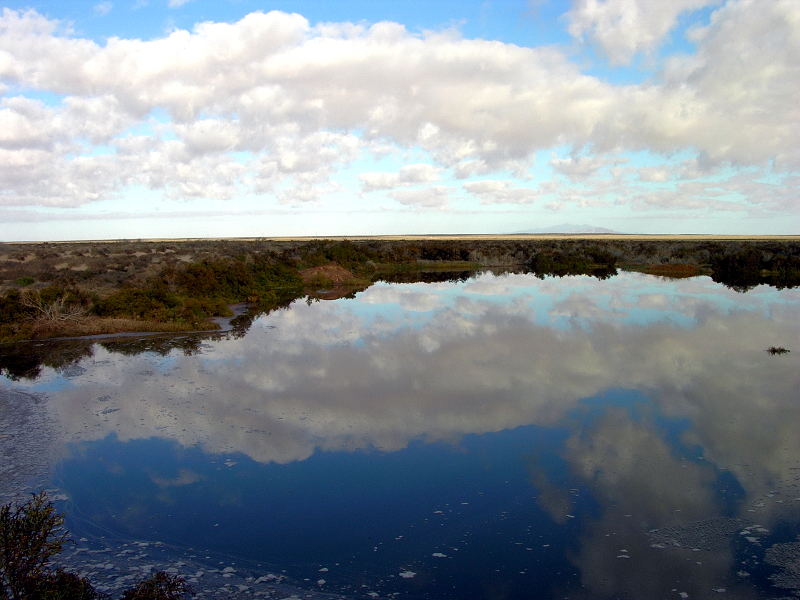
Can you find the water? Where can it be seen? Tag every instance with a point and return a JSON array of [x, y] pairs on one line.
[[501, 437]]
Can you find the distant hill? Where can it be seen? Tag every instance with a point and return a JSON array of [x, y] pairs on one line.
[[569, 228]]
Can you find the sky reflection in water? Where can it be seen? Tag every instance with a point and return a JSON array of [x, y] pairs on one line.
[[498, 438]]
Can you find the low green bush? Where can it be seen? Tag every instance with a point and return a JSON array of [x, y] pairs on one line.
[[31, 534]]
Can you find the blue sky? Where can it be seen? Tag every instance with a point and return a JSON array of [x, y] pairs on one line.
[[193, 118]]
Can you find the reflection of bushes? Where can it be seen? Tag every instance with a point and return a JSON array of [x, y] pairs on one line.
[[427, 276], [592, 261], [31, 534], [25, 361], [671, 271], [747, 267]]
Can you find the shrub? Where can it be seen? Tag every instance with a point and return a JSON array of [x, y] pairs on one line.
[[63, 585], [29, 535], [159, 587], [32, 533], [53, 307]]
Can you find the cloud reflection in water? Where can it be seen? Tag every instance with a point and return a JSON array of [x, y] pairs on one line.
[[435, 362]]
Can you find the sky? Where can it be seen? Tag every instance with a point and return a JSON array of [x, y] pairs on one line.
[[242, 118]]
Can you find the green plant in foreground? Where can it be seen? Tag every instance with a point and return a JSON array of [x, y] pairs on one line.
[[31, 534]]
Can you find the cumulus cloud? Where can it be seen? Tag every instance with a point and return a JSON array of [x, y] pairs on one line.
[[582, 167], [185, 477], [622, 28], [493, 191], [103, 8], [660, 174], [271, 102], [410, 299], [692, 186], [407, 176], [437, 196]]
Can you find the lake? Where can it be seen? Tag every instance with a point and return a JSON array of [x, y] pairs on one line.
[[505, 436]]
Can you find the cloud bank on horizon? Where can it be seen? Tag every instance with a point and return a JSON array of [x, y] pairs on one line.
[[641, 116]]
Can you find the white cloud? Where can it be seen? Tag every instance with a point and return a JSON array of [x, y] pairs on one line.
[[378, 181], [407, 176], [411, 299], [745, 76], [437, 196], [492, 191], [177, 3], [270, 102], [660, 174], [582, 167], [623, 28], [103, 8]]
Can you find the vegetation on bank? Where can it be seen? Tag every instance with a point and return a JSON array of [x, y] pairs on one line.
[[31, 535], [177, 299], [72, 289]]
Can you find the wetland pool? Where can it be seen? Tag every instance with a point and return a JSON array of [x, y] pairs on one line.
[[500, 437]]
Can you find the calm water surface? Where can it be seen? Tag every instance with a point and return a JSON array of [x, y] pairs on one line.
[[503, 437]]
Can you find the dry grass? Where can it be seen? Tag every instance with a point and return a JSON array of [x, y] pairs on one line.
[[105, 326], [338, 275]]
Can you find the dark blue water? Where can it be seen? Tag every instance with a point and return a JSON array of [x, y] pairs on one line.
[[366, 515]]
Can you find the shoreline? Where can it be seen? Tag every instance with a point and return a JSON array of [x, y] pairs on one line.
[[654, 237], [224, 323], [133, 286]]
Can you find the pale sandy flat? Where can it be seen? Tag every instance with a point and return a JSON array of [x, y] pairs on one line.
[[454, 237]]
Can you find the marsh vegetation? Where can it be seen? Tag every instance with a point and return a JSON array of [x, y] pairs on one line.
[[76, 289]]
